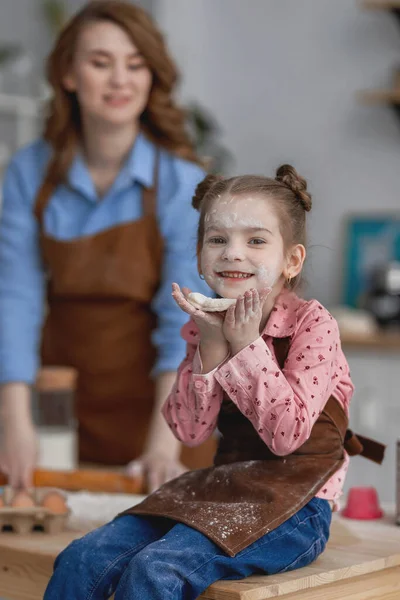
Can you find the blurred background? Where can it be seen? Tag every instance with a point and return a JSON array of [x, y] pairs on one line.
[[310, 82]]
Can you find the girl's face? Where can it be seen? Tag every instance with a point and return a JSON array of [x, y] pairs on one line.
[[242, 246], [109, 75]]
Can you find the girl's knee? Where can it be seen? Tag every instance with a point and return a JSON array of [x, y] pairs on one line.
[[71, 577], [74, 555], [90, 548]]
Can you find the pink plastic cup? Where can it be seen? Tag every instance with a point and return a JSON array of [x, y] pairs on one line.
[[362, 503]]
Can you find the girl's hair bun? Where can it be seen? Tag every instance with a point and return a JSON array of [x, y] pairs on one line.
[[288, 176], [203, 189]]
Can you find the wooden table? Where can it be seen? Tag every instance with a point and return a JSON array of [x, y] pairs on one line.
[[361, 562]]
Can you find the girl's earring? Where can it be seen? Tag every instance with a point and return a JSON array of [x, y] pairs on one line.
[[289, 279], [201, 276]]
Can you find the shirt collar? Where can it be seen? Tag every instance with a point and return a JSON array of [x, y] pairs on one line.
[[283, 318], [79, 177], [139, 166], [140, 162]]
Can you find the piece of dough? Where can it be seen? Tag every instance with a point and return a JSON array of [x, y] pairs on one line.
[[209, 304]]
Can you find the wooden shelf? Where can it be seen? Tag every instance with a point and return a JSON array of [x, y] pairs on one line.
[[382, 341], [380, 4], [388, 96], [379, 96]]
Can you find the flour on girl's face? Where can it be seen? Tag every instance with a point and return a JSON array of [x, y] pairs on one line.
[[232, 219], [242, 235], [268, 275]]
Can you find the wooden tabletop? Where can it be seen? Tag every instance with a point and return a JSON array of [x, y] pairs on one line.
[[361, 555], [357, 555]]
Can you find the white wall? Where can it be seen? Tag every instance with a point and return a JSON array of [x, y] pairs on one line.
[[280, 77]]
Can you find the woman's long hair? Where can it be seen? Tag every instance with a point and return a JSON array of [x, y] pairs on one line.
[[162, 120]]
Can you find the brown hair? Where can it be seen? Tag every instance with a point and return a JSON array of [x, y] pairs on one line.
[[288, 192], [162, 120]]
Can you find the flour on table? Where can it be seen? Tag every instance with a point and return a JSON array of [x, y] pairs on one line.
[[90, 510]]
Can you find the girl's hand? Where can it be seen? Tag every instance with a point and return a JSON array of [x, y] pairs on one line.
[[209, 324], [242, 321]]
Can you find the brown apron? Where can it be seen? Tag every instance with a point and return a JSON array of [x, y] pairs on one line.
[[100, 322], [251, 491]]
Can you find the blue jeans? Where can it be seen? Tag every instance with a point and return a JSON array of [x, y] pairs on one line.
[[150, 558]]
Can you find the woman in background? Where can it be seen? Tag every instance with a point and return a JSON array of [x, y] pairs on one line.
[[96, 223]]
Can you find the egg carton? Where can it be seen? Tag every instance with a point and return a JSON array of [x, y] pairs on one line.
[[25, 519]]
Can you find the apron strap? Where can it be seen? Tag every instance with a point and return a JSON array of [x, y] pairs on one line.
[[48, 186], [337, 415], [281, 347], [149, 197], [355, 444], [46, 189]]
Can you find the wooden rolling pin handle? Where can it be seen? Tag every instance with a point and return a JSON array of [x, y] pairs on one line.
[[86, 479]]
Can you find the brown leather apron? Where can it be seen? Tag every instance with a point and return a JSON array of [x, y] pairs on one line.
[[100, 322], [251, 491]]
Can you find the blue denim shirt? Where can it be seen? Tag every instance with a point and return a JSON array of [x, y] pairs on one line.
[[74, 211]]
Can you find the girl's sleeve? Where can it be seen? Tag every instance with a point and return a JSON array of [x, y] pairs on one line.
[[191, 409], [283, 405]]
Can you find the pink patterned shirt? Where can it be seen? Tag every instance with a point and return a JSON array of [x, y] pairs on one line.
[[282, 405]]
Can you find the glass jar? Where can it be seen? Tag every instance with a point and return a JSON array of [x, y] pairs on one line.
[[53, 408]]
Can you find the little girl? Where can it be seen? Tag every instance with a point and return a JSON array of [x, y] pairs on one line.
[[270, 374]]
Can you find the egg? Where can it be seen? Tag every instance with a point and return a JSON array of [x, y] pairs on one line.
[[55, 502], [22, 499]]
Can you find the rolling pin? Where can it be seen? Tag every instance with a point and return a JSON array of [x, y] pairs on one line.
[[85, 479], [59, 378]]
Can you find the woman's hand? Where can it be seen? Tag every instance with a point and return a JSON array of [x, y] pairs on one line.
[[155, 469], [242, 321], [18, 442], [18, 454]]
